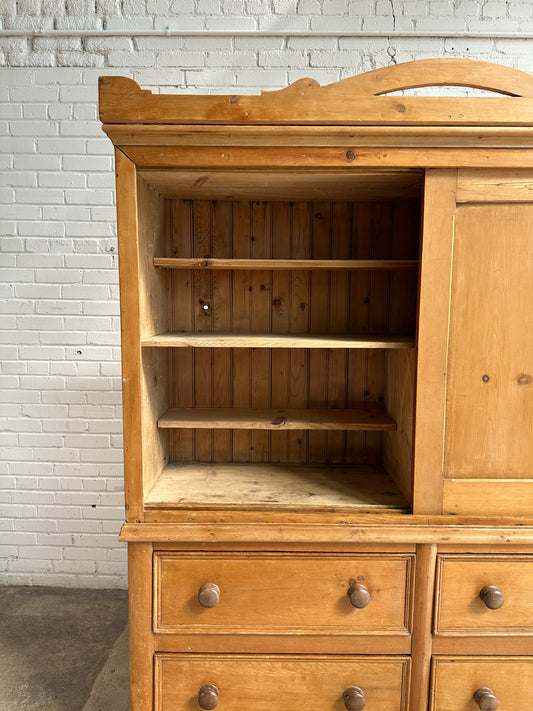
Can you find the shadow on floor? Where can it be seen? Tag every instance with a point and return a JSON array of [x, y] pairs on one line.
[[63, 650]]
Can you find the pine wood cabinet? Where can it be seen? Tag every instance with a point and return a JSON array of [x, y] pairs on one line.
[[328, 391]]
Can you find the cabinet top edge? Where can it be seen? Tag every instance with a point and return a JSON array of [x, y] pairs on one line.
[[355, 101]]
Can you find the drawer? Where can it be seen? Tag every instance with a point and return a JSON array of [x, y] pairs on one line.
[[262, 593], [280, 682], [507, 581], [455, 682]]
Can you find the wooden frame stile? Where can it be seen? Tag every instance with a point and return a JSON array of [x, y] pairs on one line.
[[434, 309], [126, 180]]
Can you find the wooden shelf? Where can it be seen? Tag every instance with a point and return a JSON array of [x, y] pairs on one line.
[[274, 340], [275, 486], [360, 418], [284, 264]]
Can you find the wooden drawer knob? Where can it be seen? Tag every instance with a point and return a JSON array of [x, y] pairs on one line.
[[208, 697], [492, 597], [354, 698], [485, 699], [209, 596], [359, 596]]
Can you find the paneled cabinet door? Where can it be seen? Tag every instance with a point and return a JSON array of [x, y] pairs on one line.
[[481, 253]]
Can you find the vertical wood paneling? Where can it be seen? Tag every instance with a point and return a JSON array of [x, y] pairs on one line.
[[222, 246], [182, 364], [281, 224], [319, 312], [299, 323], [261, 370], [203, 321], [283, 302], [242, 321], [338, 322]]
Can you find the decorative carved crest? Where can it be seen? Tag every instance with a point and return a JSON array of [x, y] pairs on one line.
[[357, 100]]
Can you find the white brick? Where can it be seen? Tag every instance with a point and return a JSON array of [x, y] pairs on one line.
[[230, 23], [79, 128], [79, 59], [285, 58], [87, 163], [131, 59], [289, 23], [34, 162], [16, 179]]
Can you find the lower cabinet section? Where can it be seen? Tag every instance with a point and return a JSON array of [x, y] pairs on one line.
[[485, 683], [283, 683]]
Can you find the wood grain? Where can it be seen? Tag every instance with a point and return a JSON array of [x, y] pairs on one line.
[[264, 682], [128, 249], [407, 530], [141, 639], [351, 101], [291, 264], [205, 158], [458, 608], [454, 681], [482, 186], [362, 418], [432, 342], [274, 340], [262, 593], [489, 406], [421, 649], [491, 497], [275, 486]]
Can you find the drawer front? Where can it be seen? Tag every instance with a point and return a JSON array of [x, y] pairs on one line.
[[507, 582], [283, 593], [282, 683], [455, 682]]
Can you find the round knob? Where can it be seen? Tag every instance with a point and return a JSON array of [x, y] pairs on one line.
[[492, 597], [354, 698], [359, 596], [485, 699], [209, 596], [208, 697]]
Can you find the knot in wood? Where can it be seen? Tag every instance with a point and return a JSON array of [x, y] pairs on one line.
[[279, 421], [524, 379]]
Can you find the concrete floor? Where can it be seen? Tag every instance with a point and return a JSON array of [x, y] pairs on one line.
[[63, 650]]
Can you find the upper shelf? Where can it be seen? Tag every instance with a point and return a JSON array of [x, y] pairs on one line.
[[275, 340], [284, 264], [354, 101]]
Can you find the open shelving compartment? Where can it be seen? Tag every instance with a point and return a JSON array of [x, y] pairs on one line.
[[278, 329]]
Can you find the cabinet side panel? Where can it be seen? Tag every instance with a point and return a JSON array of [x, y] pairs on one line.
[[131, 337], [399, 401], [154, 289], [432, 340], [489, 423]]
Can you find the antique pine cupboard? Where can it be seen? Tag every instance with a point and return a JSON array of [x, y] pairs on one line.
[[327, 344]]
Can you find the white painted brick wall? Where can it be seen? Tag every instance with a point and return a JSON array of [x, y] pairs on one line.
[[61, 500]]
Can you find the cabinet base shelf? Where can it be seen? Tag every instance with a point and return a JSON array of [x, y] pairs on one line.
[[236, 486]]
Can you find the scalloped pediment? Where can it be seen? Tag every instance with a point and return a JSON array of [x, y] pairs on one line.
[[353, 101]]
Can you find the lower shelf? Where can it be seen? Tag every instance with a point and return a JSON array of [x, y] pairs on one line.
[[275, 486]]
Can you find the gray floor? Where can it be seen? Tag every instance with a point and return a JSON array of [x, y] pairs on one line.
[[63, 650]]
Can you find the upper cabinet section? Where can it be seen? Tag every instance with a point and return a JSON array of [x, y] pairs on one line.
[[360, 100]]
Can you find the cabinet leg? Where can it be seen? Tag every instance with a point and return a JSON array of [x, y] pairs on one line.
[[140, 620]]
